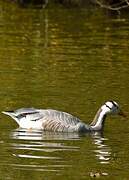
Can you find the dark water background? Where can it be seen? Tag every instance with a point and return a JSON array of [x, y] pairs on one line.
[[71, 60]]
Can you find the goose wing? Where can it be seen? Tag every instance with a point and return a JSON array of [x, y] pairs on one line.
[[28, 113], [31, 114], [58, 121], [25, 111]]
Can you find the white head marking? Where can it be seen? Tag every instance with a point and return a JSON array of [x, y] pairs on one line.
[[112, 106]]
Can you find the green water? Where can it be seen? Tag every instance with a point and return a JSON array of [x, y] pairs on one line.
[[71, 60]]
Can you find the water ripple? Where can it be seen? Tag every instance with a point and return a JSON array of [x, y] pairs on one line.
[[53, 152], [22, 134], [34, 146], [102, 151]]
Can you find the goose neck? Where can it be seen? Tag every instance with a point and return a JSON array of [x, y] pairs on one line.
[[99, 120]]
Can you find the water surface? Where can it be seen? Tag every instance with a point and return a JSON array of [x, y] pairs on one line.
[[71, 60]]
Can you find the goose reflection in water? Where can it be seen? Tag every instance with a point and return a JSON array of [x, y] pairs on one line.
[[102, 151], [38, 145], [50, 146], [24, 134]]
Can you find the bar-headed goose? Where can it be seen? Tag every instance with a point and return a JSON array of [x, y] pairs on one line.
[[53, 120]]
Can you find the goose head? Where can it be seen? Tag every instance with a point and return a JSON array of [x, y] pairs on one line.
[[110, 107]]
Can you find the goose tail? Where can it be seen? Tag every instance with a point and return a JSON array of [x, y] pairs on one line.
[[12, 115]]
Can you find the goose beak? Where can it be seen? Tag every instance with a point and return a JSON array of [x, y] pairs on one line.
[[121, 113]]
